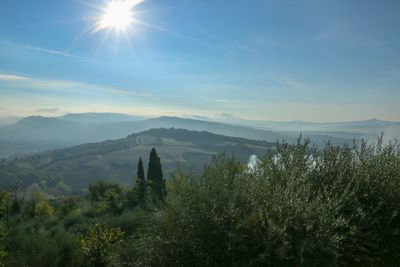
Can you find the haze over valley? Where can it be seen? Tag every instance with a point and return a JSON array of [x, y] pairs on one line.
[[37, 133]]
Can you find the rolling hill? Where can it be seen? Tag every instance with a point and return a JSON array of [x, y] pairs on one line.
[[35, 134], [116, 160]]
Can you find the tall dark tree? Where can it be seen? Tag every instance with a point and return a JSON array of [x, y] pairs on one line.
[[155, 175], [137, 196], [140, 185]]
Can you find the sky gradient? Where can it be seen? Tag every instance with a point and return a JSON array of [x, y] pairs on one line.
[[307, 60]]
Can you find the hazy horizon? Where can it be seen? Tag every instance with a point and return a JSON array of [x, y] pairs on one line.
[[216, 117]]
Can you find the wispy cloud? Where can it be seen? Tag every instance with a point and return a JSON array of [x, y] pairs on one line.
[[7, 77], [48, 110], [24, 95], [40, 49], [25, 82], [288, 81]]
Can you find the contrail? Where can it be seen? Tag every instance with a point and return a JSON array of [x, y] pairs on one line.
[[39, 49], [246, 81]]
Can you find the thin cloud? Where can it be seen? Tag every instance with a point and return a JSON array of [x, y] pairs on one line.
[[286, 80], [48, 110], [7, 77], [40, 49], [66, 86]]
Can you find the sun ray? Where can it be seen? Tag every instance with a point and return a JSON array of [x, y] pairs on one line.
[[105, 37], [125, 32]]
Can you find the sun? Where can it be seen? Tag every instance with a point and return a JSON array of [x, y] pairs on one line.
[[117, 15]]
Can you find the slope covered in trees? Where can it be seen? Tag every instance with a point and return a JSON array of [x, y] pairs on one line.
[[299, 207], [37, 134], [114, 160]]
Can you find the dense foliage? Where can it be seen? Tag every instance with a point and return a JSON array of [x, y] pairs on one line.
[[298, 207], [99, 243]]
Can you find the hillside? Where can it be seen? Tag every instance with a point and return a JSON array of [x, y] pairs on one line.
[[117, 159], [36, 134]]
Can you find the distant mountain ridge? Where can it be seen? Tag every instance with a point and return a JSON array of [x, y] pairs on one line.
[[36, 133], [93, 117], [372, 125]]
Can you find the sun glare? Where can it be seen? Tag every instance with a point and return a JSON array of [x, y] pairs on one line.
[[118, 15]]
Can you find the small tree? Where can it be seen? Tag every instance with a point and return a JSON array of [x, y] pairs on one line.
[[44, 209], [66, 206], [99, 243], [155, 176], [105, 197]]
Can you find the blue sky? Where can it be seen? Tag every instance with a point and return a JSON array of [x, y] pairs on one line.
[[306, 60]]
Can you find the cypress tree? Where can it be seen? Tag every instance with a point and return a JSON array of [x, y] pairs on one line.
[[155, 175], [141, 183], [137, 196]]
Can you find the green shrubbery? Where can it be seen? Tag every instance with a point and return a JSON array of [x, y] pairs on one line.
[[298, 207], [98, 244], [38, 243]]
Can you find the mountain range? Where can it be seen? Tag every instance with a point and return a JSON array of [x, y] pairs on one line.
[[35, 134]]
